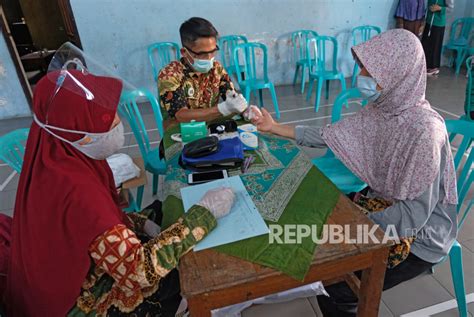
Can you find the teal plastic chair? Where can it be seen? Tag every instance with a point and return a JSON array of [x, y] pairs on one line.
[[329, 164], [247, 75], [469, 102], [227, 44], [362, 34], [464, 183], [459, 37], [129, 109], [299, 39], [12, 148], [161, 54], [316, 55]]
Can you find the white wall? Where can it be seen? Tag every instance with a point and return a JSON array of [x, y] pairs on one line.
[[117, 32], [13, 102]]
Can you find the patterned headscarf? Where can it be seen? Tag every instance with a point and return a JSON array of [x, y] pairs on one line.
[[395, 144]]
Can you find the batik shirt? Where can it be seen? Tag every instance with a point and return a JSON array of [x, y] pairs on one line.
[[180, 86], [124, 272]]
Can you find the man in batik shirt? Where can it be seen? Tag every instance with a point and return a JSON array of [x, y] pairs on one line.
[[190, 88]]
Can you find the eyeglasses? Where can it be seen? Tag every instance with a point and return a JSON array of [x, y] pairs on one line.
[[203, 54]]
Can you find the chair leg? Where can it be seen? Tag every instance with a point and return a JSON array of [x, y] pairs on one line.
[[247, 94], [260, 97], [303, 78], [327, 89], [459, 58], [343, 88], [275, 101], [296, 74], [318, 94], [140, 197], [132, 204], [354, 75], [455, 261], [155, 184], [310, 90]]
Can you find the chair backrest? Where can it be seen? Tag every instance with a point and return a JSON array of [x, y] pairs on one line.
[[469, 102], [299, 39], [461, 31], [12, 148], [161, 54], [227, 45], [465, 129], [341, 100], [363, 33], [129, 109], [250, 54], [318, 50]]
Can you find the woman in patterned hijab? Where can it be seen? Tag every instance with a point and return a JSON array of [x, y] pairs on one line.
[[399, 146]]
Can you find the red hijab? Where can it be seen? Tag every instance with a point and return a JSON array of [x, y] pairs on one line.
[[64, 201]]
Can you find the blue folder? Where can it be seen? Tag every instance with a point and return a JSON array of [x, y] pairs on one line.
[[229, 154]]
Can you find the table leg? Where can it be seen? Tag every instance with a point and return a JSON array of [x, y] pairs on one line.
[[371, 285], [197, 308]]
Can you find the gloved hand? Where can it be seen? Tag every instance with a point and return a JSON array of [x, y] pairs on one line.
[[218, 201], [151, 229], [234, 103]]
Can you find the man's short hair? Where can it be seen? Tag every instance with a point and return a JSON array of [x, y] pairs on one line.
[[195, 28]]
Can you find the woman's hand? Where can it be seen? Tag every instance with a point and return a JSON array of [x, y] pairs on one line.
[[263, 120], [435, 8]]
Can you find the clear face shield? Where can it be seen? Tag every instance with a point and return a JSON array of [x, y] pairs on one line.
[[73, 70], [70, 68]]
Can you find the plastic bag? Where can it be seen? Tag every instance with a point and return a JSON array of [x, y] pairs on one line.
[[309, 290], [123, 168]]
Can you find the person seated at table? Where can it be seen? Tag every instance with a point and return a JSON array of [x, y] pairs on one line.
[[73, 251], [399, 146], [190, 88]]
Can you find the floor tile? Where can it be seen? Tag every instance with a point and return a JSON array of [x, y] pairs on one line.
[[469, 244], [426, 290], [449, 313], [7, 199], [442, 273]]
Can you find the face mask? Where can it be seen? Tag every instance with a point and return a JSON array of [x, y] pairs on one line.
[[368, 88], [203, 65], [101, 146]]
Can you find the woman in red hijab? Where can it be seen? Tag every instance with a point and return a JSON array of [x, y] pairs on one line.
[[73, 251]]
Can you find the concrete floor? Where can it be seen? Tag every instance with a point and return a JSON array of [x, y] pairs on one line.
[[446, 95]]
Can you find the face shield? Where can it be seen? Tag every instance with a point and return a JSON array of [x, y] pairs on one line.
[[80, 81], [77, 72]]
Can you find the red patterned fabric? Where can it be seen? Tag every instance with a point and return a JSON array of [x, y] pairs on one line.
[[117, 252]]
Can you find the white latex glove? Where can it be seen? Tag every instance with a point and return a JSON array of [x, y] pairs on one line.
[[218, 201], [151, 228], [234, 103]]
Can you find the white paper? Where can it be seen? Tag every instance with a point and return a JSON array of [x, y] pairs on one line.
[[242, 222]]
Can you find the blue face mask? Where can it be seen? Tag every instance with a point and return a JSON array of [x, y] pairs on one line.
[[203, 65], [368, 88]]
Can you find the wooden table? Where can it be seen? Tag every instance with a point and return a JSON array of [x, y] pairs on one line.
[[210, 279]]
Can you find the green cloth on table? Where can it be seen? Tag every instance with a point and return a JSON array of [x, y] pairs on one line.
[[286, 189]]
